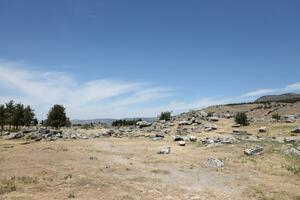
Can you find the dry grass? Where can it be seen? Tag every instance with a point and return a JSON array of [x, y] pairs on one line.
[[114, 168]]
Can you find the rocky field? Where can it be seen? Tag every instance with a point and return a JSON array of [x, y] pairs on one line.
[[193, 156]]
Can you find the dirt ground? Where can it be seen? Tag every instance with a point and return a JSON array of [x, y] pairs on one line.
[[124, 168]]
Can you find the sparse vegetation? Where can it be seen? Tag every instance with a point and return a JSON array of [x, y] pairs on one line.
[[71, 195], [165, 116], [125, 122], [210, 114], [276, 117], [241, 118]]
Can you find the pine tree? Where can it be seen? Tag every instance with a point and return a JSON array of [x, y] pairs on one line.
[[57, 117]]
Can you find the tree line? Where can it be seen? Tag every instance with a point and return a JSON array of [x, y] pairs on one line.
[[15, 115]]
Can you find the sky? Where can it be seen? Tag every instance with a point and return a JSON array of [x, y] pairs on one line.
[[136, 58]]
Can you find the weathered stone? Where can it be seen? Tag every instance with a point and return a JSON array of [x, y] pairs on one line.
[[181, 143], [293, 152], [228, 140], [183, 123], [227, 115], [253, 151], [236, 126], [15, 135], [262, 129], [193, 138], [296, 130], [214, 163], [291, 140], [164, 150], [143, 124], [177, 138], [214, 119]]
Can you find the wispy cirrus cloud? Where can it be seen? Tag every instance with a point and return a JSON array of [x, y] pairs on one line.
[[102, 98], [289, 88], [91, 99]]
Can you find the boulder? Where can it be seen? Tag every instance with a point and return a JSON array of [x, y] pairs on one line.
[[253, 151], [164, 150], [289, 118], [262, 129], [177, 138], [183, 123], [236, 126], [207, 141], [15, 135], [193, 138], [296, 130], [181, 143], [291, 140], [214, 119], [203, 114], [142, 124], [227, 115], [229, 140], [293, 152], [214, 163]]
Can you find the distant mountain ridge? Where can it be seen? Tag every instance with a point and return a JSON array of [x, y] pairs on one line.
[[287, 98], [108, 121]]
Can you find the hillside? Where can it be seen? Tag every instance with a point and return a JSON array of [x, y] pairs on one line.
[[257, 110], [287, 97]]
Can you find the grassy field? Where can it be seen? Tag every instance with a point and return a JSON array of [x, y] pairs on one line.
[[126, 168]]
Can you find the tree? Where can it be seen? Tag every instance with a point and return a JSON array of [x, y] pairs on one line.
[[57, 117], [165, 116], [35, 122], [18, 115], [9, 112], [28, 117], [241, 118], [2, 116]]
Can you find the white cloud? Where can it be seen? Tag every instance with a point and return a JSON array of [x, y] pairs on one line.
[[259, 92], [97, 98], [103, 98]]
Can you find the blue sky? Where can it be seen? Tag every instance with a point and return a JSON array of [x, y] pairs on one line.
[[137, 58]]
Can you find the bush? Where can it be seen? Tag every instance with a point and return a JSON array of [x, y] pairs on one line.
[[210, 114], [276, 116], [165, 116], [124, 122], [241, 118]]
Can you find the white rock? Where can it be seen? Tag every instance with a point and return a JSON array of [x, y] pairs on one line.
[[214, 163], [164, 150], [181, 143]]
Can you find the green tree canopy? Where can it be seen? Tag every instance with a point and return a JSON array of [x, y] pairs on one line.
[[57, 117]]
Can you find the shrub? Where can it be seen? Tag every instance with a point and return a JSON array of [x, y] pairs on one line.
[[276, 116], [124, 122], [241, 118], [210, 114], [165, 116]]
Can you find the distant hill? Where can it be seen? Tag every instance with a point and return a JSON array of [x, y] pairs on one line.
[[287, 98], [107, 121]]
